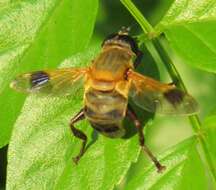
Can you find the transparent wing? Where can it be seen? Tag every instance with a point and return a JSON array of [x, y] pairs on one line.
[[57, 82], [154, 96]]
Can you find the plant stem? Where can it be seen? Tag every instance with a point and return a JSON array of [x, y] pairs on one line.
[[146, 27], [148, 31]]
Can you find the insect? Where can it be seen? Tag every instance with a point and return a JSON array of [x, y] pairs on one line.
[[108, 83]]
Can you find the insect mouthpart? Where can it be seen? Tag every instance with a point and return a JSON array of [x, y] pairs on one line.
[[124, 31]]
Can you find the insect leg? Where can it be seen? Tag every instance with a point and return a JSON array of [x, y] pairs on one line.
[[139, 56], [79, 134], [132, 115]]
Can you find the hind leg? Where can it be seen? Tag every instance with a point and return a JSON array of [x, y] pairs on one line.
[[79, 134], [132, 115]]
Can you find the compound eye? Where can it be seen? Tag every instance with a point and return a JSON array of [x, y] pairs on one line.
[[111, 36], [131, 41]]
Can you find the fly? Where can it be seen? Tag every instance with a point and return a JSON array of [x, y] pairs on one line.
[[108, 83]]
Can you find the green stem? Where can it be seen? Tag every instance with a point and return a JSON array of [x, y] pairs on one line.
[[168, 64], [148, 31], [146, 27]]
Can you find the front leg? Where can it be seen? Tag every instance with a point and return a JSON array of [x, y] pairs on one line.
[[139, 56], [132, 115], [79, 134]]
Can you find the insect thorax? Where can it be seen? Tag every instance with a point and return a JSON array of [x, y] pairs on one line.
[[111, 64]]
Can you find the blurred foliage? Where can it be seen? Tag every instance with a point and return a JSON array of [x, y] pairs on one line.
[[109, 20]]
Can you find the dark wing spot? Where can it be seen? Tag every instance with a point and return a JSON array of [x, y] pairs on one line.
[[174, 96], [38, 78]]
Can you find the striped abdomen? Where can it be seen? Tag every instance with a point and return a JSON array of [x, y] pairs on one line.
[[105, 111]]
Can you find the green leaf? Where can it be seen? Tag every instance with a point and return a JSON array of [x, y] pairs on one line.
[[182, 162], [190, 27], [42, 146], [36, 35]]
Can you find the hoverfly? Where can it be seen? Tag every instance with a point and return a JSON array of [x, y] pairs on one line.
[[108, 83]]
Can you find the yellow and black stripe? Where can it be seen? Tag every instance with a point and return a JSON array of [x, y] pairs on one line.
[[105, 111]]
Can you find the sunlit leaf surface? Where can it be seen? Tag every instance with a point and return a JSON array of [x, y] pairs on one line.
[[35, 35], [190, 27], [181, 161]]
